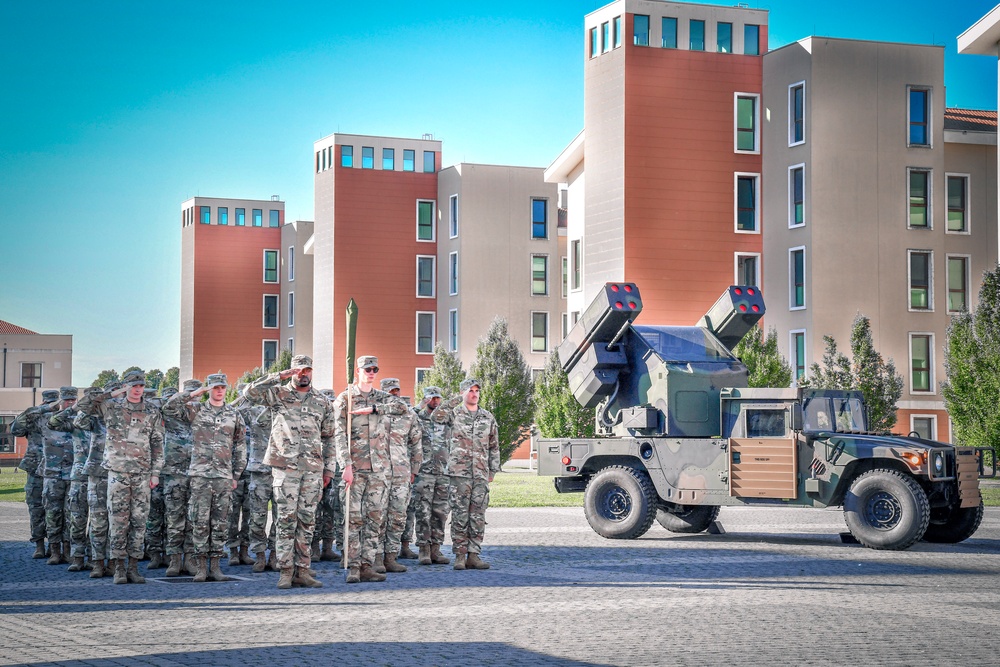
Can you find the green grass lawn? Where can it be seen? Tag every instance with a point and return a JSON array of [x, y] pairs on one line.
[[526, 489], [12, 484]]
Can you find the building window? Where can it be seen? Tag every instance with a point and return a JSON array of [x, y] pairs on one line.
[[724, 37], [258, 217], [409, 159], [322, 157], [605, 37], [669, 39], [919, 113], [747, 140], [206, 215], [241, 217], [746, 203], [751, 40], [575, 258], [425, 276], [429, 163], [388, 159], [453, 216], [291, 263], [565, 276], [798, 345], [796, 113], [921, 295], [594, 50], [425, 333], [31, 374], [797, 278], [748, 269], [796, 195], [919, 198], [925, 426], [420, 374], [618, 31], [958, 197], [697, 42], [425, 220], [319, 162], [291, 346], [539, 218], [270, 266], [270, 354], [453, 273], [290, 307], [347, 156], [6, 439], [565, 324], [223, 213], [640, 30], [539, 332], [270, 311], [453, 330], [539, 275], [367, 157], [273, 218], [921, 362], [958, 284]]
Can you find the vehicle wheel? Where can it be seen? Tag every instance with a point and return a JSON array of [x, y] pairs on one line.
[[620, 503], [886, 509], [689, 519], [956, 524]]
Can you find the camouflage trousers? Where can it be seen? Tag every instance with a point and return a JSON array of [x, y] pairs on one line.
[[36, 506], [239, 515], [431, 492], [330, 514], [469, 499], [296, 493], [55, 494], [394, 517], [156, 522], [367, 501], [128, 506], [411, 515], [97, 530], [208, 514], [259, 494], [176, 496], [79, 512]]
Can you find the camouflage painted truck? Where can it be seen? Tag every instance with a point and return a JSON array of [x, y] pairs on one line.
[[680, 435]]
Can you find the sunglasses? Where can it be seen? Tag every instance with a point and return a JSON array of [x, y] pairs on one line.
[[371, 370]]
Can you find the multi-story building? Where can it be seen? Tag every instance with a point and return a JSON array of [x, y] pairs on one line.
[[296, 310]]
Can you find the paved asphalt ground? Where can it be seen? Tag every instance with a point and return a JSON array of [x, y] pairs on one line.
[[779, 588]]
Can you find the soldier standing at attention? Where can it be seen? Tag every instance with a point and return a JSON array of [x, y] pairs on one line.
[[78, 511], [474, 460], [329, 516], [133, 456], [364, 456], [97, 481], [405, 456], [57, 468], [156, 524], [433, 485], [239, 514], [260, 489], [218, 457], [26, 425], [177, 443], [301, 455]]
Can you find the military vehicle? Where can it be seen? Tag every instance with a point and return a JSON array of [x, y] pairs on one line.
[[679, 435]]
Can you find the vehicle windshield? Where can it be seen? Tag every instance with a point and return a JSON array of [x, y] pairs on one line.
[[683, 344], [833, 413]]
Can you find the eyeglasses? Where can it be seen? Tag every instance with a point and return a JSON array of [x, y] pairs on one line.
[[371, 370]]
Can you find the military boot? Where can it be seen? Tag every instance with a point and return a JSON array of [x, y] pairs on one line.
[[353, 576], [379, 565], [260, 563], [474, 562], [245, 558], [367, 573], [65, 552], [328, 554], [316, 554], [132, 573], [76, 564], [190, 564], [460, 561], [272, 561], [97, 571], [391, 565], [39, 549], [304, 577], [56, 557], [285, 580], [174, 569], [234, 556], [405, 552], [200, 568], [425, 554], [437, 557], [120, 576], [156, 561], [214, 573]]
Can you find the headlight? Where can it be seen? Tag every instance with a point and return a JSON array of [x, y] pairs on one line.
[[939, 463]]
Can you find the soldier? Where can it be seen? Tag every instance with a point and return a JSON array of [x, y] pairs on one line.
[[133, 455], [26, 425], [432, 485], [156, 524], [472, 464], [176, 485], [363, 453], [260, 490], [57, 467], [239, 513], [405, 455], [97, 481], [329, 513], [300, 452], [78, 510], [218, 457]]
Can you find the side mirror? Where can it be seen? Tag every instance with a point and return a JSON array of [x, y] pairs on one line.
[[796, 417]]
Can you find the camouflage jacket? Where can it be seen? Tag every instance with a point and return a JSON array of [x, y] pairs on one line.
[[98, 436], [404, 433], [135, 433], [57, 448], [258, 421], [27, 425], [218, 436], [435, 442], [177, 442], [63, 421], [475, 443], [369, 446], [302, 425]]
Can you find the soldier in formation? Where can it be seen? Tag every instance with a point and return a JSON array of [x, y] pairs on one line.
[[77, 511], [433, 485], [28, 425], [97, 483]]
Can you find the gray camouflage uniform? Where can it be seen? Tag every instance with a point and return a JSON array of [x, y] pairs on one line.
[[97, 479], [26, 425], [78, 508], [405, 454], [432, 486], [57, 468], [177, 443]]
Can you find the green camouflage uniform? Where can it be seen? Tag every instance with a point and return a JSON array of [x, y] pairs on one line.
[[97, 480], [174, 480], [57, 468], [156, 521], [79, 510], [474, 459], [432, 486], [405, 455], [260, 489], [26, 425], [330, 511]]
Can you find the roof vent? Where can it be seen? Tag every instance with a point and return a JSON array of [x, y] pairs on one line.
[[428, 136], [275, 198]]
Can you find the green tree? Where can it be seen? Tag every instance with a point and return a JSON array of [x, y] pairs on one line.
[[106, 376], [446, 374], [281, 363], [172, 378], [506, 388], [765, 365], [835, 373], [557, 412], [154, 379]]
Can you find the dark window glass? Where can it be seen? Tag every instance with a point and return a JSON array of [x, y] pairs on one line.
[[430, 165], [956, 203], [746, 123], [798, 196], [576, 258], [640, 30], [618, 31], [453, 330], [919, 135], [367, 157], [747, 269], [270, 266], [920, 374], [539, 275], [669, 40], [697, 35], [388, 159], [798, 114], [347, 156], [223, 215], [751, 40], [270, 311], [409, 160], [594, 47], [957, 290], [800, 355], [798, 278], [258, 217], [425, 276], [206, 215], [920, 274], [290, 307], [31, 375], [425, 333], [539, 219], [270, 353], [425, 221], [724, 37], [605, 37], [273, 218], [539, 332], [453, 273], [918, 199], [746, 204]]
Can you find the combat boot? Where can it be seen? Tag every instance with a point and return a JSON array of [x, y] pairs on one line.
[[120, 577], [353, 576], [460, 561], [56, 557], [379, 565], [391, 565], [474, 562], [200, 569], [157, 561], [369, 574], [315, 555], [304, 577], [65, 552], [272, 561], [39, 549], [214, 573], [437, 557], [260, 563], [76, 564], [425, 554], [285, 580], [405, 552], [98, 570], [191, 564], [174, 569], [132, 573], [328, 554], [234, 556], [245, 558]]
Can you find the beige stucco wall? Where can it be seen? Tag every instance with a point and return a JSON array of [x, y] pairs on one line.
[[296, 234]]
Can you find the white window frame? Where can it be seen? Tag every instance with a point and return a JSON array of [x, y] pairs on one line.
[[930, 197], [531, 332], [277, 314], [433, 260], [791, 354], [968, 207], [291, 263], [791, 113], [531, 274], [791, 279], [416, 331], [290, 309], [934, 423], [453, 273], [453, 330], [968, 278], [575, 265], [41, 373], [932, 380], [416, 374], [564, 276], [930, 280], [453, 217], [736, 266], [416, 221], [756, 121], [277, 349], [736, 202], [277, 266], [930, 116], [791, 196]]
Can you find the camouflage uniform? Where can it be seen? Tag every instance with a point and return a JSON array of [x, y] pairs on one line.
[[156, 524], [97, 478], [432, 486], [174, 480], [78, 487], [330, 511], [405, 455], [26, 425], [57, 468], [260, 489]]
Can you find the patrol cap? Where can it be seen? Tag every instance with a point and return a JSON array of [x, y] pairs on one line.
[[388, 384], [112, 385], [89, 391], [67, 393], [367, 361], [50, 395], [301, 361], [149, 392], [167, 392], [468, 383], [192, 385], [432, 392], [133, 378], [216, 380]]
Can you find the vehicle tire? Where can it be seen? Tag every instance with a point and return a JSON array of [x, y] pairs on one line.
[[886, 509], [956, 524], [689, 519], [620, 503]]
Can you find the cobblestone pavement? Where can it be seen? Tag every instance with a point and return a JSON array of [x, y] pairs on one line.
[[779, 588]]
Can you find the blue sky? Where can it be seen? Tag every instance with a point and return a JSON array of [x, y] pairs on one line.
[[114, 113]]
